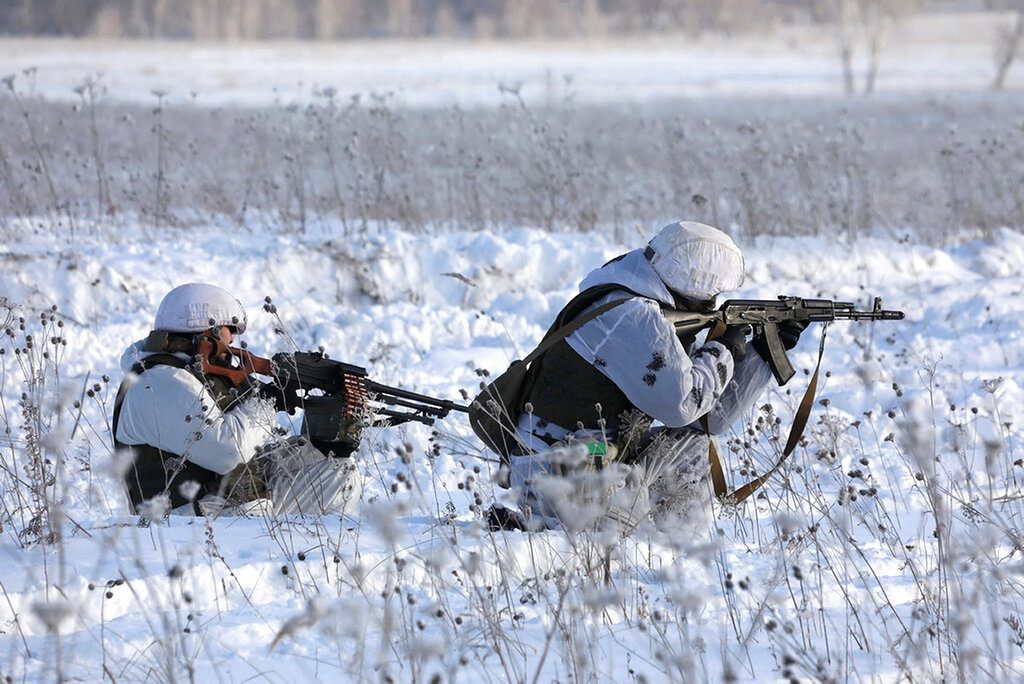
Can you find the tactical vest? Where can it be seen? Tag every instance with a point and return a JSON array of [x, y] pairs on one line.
[[154, 471], [565, 388]]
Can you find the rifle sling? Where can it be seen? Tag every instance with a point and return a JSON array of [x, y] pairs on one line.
[[803, 412], [554, 336]]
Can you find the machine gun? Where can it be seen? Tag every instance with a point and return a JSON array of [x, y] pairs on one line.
[[764, 315], [338, 399]]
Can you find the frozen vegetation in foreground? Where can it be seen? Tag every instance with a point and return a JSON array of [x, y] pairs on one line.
[[889, 548]]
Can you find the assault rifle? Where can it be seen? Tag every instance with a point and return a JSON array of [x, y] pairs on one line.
[[338, 399], [764, 315]]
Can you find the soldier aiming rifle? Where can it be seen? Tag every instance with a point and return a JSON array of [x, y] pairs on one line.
[[620, 385]]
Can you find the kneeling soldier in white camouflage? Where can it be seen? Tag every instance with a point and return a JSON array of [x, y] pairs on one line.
[[604, 384], [207, 442]]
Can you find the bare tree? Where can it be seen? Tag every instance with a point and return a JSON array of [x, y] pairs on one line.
[[1007, 46], [251, 18], [878, 18], [588, 18], [845, 14], [325, 18], [872, 21], [135, 20], [400, 18]]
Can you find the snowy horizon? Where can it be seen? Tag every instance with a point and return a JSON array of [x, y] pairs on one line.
[[928, 53]]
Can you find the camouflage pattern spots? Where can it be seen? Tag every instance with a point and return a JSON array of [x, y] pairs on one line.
[[712, 351], [657, 362]]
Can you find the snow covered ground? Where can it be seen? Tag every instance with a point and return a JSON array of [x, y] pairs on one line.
[[927, 53], [889, 548]]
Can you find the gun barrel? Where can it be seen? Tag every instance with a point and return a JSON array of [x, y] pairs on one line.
[[436, 411], [880, 315], [398, 417], [423, 402]]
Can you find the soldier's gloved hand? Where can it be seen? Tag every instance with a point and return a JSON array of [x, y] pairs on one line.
[[735, 340], [789, 332], [789, 335]]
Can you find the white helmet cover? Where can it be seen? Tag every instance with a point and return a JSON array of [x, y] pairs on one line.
[[695, 260], [196, 307]]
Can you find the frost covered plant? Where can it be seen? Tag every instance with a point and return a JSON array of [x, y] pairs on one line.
[[58, 207], [917, 436], [35, 432], [90, 90]]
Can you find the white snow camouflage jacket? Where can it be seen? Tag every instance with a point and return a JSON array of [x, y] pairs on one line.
[[170, 409], [637, 349]]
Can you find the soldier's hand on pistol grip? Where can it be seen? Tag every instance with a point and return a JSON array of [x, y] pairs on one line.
[[789, 334], [735, 340]]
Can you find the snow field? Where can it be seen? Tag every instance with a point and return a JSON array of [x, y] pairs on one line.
[[929, 52], [887, 548]]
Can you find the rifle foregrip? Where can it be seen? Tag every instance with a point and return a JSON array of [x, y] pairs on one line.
[[782, 369]]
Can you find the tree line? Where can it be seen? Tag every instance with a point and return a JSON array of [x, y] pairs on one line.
[[337, 19], [860, 27]]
